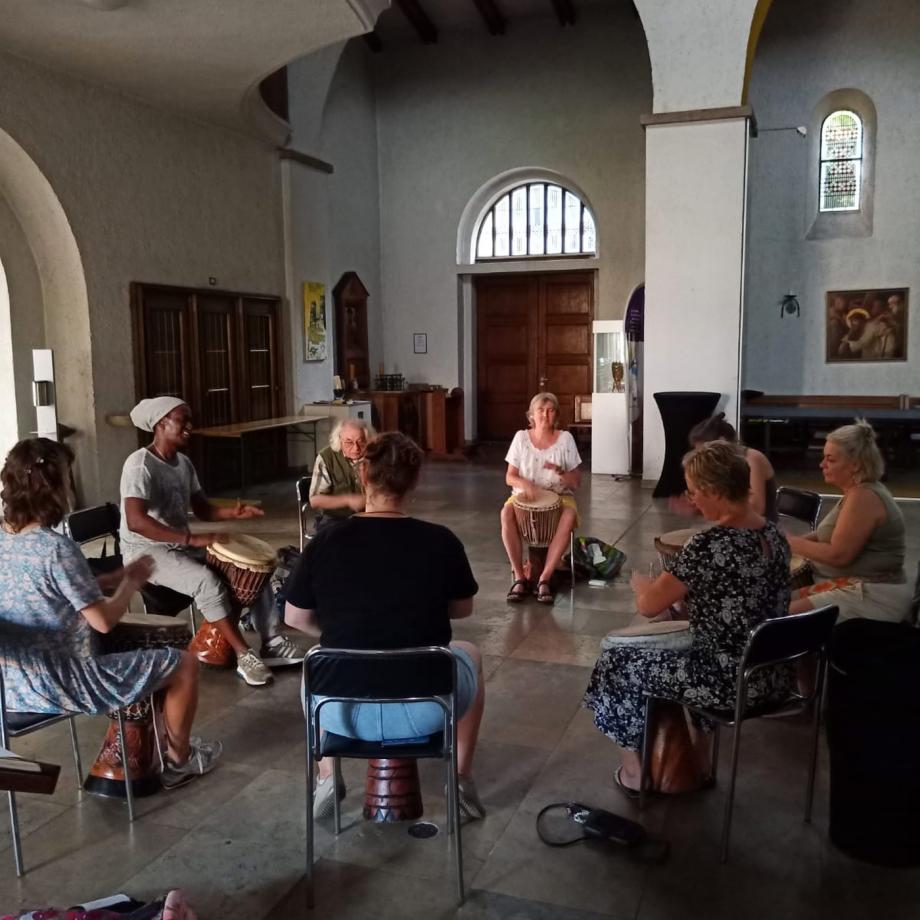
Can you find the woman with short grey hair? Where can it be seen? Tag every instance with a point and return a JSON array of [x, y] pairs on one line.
[[857, 551]]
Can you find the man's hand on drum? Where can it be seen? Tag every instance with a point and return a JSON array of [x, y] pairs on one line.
[[242, 512], [204, 540]]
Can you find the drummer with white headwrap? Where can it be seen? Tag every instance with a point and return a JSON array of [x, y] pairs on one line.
[[158, 483]]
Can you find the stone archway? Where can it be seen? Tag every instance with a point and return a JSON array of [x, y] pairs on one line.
[[64, 304]]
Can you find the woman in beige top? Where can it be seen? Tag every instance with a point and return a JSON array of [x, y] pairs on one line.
[[857, 552]]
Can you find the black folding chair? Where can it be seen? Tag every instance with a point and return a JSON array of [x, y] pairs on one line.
[[304, 512], [409, 675], [799, 504], [103, 522], [771, 643], [16, 724]]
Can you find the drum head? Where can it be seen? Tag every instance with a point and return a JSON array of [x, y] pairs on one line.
[[542, 501], [636, 630], [244, 550], [152, 620], [676, 539]]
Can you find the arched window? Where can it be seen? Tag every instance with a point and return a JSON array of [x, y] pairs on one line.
[[537, 219], [841, 171]]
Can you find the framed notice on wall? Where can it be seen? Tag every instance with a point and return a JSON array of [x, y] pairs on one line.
[[420, 343]]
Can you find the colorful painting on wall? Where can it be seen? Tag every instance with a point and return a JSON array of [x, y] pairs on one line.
[[868, 325], [314, 321]]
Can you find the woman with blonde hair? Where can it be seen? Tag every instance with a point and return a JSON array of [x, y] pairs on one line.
[[541, 457], [731, 577], [857, 551]]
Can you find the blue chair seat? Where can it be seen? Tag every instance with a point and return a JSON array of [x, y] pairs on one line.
[[340, 746]]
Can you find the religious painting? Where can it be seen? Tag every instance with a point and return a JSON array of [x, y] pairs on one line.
[[314, 321], [866, 326]]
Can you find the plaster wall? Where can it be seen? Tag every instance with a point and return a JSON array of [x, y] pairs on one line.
[[453, 116], [696, 174], [807, 51], [150, 197]]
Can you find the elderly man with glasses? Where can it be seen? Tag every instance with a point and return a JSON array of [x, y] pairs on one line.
[[335, 490]]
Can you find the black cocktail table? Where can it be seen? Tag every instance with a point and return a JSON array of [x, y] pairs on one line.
[[680, 411]]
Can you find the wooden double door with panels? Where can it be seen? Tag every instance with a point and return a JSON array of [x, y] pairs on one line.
[[533, 333], [220, 351]]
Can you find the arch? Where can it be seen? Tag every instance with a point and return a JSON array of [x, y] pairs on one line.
[[488, 193], [64, 298], [9, 417], [757, 21]]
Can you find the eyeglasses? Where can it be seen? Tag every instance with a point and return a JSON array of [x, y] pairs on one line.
[[348, 442]]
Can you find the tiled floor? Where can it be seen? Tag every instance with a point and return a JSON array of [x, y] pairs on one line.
[[234, 840]]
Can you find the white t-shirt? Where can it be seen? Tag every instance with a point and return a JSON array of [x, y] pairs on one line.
[[530, 461]]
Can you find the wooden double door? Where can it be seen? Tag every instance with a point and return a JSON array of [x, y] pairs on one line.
[[533, 334]]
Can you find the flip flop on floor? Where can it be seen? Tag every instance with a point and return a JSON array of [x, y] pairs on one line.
[[544, 593], [514, 596], [628, 791]]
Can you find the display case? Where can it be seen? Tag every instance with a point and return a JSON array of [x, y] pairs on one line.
[[609, 402]]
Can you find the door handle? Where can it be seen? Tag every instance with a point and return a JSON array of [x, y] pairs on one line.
[[543, 383]]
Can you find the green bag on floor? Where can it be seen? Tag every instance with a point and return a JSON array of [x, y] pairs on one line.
[[596, 559]]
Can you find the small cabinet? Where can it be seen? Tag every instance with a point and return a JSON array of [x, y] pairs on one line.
[[352, 361]]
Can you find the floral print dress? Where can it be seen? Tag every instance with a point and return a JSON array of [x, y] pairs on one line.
[[48, 651], [736, 578]]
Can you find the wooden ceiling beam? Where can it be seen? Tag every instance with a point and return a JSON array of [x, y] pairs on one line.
[[413, 11], [565, 12], [491, 16]]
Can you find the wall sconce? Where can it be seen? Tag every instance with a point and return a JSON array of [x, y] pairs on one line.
[[42, 393], [788, 305]]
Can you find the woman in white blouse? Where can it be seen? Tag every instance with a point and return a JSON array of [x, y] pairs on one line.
[[540, 458]]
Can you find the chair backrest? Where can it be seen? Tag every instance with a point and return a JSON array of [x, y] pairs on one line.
[[800, 504], [582, 408], [392, 674], [915, 602], [302, 488], [94, 523], [788, 637]]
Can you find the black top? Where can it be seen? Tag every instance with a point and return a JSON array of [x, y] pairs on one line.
[[381, 583]]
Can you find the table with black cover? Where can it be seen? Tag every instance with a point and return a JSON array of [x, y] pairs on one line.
[[680, 411]]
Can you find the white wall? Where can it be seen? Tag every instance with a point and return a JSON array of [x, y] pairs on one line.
[[805, 52], [149, 197], [696, 175], [452, 116]]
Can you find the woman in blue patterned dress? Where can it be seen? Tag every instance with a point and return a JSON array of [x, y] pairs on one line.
[[51, 608], [731, 577]]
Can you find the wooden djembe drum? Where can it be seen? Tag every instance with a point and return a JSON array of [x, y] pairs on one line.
[[107, 774], [392, 791]]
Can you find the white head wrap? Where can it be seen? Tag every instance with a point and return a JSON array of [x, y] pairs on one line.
[[148, 412]]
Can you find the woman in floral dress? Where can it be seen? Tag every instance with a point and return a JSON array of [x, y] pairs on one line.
[[730, 578]]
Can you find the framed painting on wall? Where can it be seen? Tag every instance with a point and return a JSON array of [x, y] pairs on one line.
[[314, 321], [864, 326]]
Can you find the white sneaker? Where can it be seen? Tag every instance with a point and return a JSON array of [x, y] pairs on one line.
[[324, 792], [250, 667], [282, 651], [470, 804], [202, 758]]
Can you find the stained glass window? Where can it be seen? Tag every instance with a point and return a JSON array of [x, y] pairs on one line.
[[841, 161], [536, 219]]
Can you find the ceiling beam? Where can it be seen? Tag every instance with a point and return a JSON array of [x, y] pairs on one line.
[[565, 12], [492, 16], [413, 11], [373, 42]]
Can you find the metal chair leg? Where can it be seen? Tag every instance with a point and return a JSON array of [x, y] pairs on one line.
[[644, 778], [308, 874], [76, 753], [815, 735], [336, 805], [451, 817], [125, 765], [14, 831], [458, 841], [730, 801], [717, 735]]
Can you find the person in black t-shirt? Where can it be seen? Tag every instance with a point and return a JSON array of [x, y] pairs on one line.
[[384, 580]]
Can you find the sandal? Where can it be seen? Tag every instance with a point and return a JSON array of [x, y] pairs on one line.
[[544, 593], [628, 791], [514, 596]]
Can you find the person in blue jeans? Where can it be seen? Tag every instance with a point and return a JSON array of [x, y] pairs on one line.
[[384, 580]]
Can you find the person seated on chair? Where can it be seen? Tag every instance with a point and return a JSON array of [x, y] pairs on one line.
[[335, 489], [763, 477], [858, 550], [158, 483], [541, 457], [731, 578], [51, 608], [412, 579]]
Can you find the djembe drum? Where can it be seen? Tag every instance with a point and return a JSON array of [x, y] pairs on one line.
[[801, 573], [673, 764], [392, 791], [245, 564], [134, 632], [671, 543], [537, 521]]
